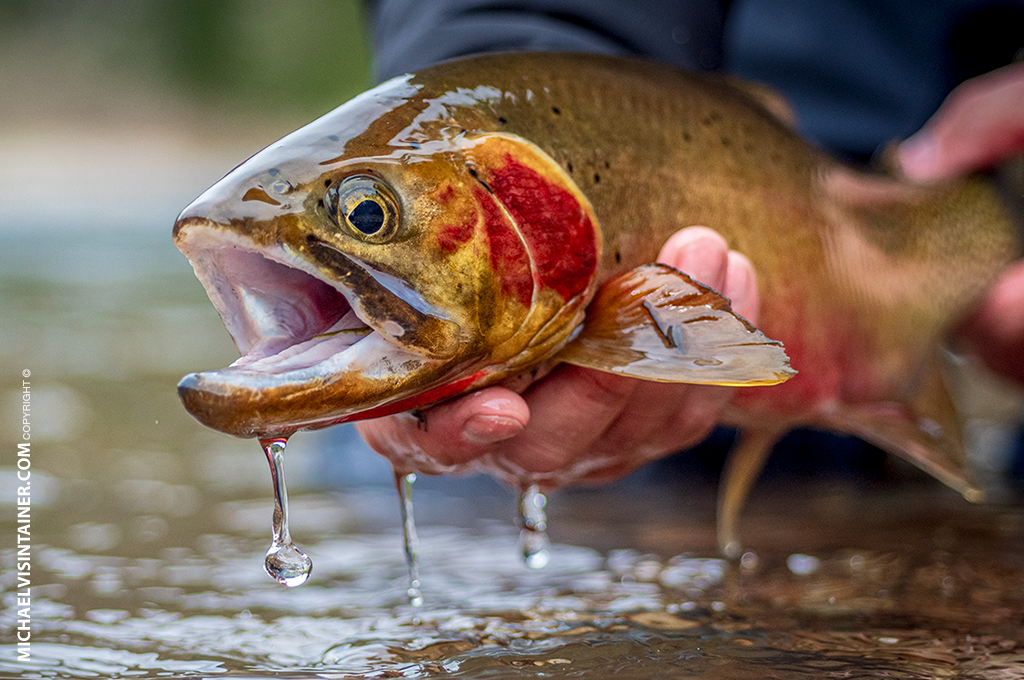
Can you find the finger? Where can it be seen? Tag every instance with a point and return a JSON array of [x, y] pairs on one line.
[[995, 331], [741, 287], [704, 255], [569, 411], [698, 252], [452, 433], [671, 417], [979, 124]]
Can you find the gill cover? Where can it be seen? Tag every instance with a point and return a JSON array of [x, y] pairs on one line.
[[551, 264]]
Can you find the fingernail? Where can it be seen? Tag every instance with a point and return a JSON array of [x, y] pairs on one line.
[[918, 156], [482, 429]]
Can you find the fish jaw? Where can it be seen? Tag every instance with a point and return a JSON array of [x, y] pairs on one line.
[[309, 358]]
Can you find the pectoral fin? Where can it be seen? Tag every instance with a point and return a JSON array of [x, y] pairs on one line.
[[656, 323]]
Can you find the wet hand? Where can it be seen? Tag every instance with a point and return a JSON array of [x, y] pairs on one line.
[[980, 124], [577, 424]]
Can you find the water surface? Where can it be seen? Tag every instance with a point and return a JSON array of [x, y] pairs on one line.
[[148, 534]]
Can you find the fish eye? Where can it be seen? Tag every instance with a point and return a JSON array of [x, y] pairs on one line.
[[364, 207], [368, 217]]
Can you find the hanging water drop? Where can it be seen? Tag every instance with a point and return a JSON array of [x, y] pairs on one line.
[[533, 524], [404, 482], [285, 563]]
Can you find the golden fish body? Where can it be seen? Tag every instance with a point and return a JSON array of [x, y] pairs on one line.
[[453, 228]]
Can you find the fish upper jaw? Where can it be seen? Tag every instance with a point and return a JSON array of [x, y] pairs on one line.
[[298, 335], [266, 297]]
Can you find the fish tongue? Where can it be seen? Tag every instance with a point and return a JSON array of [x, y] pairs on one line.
[[278, 354]]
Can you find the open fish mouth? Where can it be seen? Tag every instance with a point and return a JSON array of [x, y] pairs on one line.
[[286, 318], [299, 333]]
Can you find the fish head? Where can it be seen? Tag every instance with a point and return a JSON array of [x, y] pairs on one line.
[[389, 255]]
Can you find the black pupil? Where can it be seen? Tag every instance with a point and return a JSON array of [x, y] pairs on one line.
[[367, 217]]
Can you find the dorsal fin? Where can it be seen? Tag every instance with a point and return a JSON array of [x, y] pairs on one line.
[[770, 100]]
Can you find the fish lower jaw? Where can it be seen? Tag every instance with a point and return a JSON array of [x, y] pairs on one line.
[[311, 384], [323, 359]]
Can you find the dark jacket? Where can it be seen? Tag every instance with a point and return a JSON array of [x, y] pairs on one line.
[[859, 73]]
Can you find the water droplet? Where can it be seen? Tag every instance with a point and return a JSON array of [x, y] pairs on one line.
[[802, 565], [285, 563], [732, 550], [288, 565], [411, 542], [533, 524]]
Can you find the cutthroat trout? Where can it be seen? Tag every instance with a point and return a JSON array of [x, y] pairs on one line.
[[462, 225]]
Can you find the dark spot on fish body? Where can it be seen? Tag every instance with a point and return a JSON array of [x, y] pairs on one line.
[[555, 110], [557, 230], [726, 142], [502, 121], [597, 178], [568, 166], [618, 257], [687, 137], [711, 118]]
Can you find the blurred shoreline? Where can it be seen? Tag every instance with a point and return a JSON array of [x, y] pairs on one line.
[[116, 115]]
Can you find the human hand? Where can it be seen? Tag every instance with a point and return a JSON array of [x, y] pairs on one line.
[[577, 424], [980, 124]]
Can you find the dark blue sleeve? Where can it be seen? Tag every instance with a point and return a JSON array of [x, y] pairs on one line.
[[863, 73], [410, 34]]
